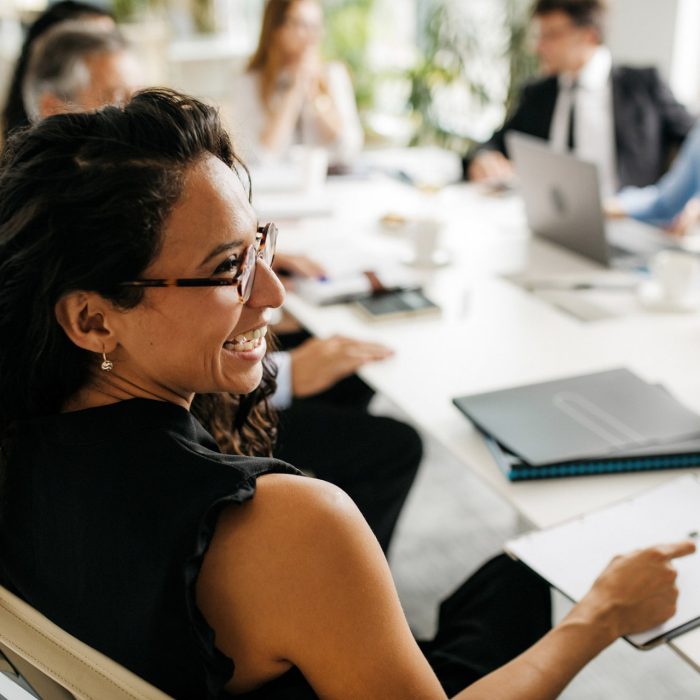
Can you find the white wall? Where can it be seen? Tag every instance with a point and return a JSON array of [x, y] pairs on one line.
[[685, 74], [663, 33], [642, 32]]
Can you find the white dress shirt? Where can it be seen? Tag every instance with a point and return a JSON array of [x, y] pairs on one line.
[[283, 396], [594, 123]]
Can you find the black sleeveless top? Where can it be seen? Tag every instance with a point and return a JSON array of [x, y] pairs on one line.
[[106, 516]]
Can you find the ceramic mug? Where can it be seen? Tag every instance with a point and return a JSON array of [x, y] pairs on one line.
[[425, 235], [314, 168], [675, 273]]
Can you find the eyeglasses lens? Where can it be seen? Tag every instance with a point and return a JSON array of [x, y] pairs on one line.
[[247, 278], [268, 252]]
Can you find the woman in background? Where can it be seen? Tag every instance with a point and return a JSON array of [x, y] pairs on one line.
[[288, 95], [14, 113]]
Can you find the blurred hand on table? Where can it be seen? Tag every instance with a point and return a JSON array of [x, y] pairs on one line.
[[318, 364], [490, 166], [288, 266]]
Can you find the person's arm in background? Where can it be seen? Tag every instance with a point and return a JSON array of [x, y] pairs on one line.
[[278, 125], [349, 138], [307, 92], [261, 134], [489, 160], [661, 203], [318, 363], [247, 115]]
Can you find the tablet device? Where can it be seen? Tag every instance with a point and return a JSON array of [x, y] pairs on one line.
[[396, 304]]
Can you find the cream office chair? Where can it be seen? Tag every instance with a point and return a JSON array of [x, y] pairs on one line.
[[39, 657]]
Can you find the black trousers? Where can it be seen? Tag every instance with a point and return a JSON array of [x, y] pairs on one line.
[[494, 616], [497, 613], [374, 459]]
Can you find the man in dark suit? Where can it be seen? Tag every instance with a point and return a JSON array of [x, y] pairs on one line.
[[624, 119]]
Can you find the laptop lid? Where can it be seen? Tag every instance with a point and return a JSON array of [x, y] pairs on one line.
[[561, 195]]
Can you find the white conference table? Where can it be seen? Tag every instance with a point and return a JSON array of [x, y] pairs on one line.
[[492, 334]]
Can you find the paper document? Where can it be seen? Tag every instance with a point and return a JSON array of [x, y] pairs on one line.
[[572, 555], [349, 273], [356, 285]]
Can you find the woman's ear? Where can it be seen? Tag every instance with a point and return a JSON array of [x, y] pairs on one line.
[[84, 317]]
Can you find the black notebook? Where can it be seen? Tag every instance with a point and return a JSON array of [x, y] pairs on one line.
[[678, 456], [591, 424]]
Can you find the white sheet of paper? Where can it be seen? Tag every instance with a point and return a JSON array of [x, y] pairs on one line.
[[572, 555]]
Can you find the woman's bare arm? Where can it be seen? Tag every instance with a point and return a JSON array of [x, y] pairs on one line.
[[635, 592], [295, 577]]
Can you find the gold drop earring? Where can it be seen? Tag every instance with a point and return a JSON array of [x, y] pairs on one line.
[[107, 365]]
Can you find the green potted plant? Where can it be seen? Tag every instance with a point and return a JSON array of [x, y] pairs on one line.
[[348, 30], [451, 51]]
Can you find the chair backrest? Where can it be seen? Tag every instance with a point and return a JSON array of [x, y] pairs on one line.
[[57, 666]]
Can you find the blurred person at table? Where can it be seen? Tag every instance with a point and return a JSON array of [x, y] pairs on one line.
[[78, 67], [623, 119], [288, 95], [322, 404], [14, 114], [324, 422], [674, 201]]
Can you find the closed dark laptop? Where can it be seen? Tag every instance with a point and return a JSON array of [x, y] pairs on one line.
[[584, 417]]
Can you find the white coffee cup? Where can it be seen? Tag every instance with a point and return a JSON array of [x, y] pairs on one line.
[[314, 168], [425, 235], [675, 273]]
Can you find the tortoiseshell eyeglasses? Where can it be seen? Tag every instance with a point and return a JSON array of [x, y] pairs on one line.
[[242, 274]]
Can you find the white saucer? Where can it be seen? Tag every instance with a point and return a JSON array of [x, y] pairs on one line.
[[439, 258], [651, 297]]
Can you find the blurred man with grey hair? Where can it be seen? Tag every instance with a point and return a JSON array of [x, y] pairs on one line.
[[78, 67]]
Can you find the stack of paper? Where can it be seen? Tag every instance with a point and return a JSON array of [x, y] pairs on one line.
[[572, 555]]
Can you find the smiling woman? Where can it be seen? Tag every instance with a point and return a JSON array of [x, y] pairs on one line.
[[155, 192], [210, 232], [134, 275]]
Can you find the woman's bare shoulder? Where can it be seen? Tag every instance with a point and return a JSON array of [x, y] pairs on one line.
[[296, 577]]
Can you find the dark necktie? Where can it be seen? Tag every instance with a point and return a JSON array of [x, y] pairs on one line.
[[571, 140]]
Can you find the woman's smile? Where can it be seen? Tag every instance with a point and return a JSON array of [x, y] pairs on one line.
[[250, 345]]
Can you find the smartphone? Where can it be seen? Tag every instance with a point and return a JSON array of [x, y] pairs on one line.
[[396, 304]]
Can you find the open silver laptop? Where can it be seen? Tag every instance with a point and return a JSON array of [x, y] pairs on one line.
[[563, 205]]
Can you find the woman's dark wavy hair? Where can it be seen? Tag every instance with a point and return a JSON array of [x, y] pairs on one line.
[[83, 201], [14, 113]]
